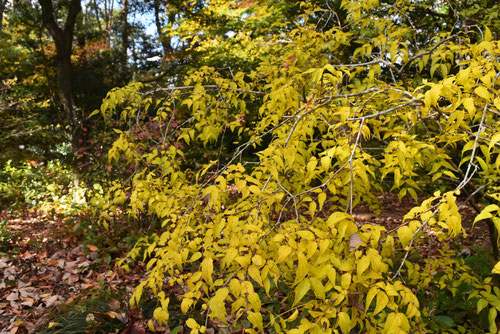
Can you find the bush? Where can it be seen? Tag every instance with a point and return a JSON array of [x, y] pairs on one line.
[[45, 187], [270, 243]]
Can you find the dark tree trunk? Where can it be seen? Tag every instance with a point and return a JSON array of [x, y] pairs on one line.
[[125, 33], [165, 41], [63, 40]]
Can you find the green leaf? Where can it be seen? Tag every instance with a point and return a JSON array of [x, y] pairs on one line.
[[176, 329], [444, 321], [482, 303], [492, 317]]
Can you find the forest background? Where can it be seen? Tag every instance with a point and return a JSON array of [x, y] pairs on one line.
[[249, 166]]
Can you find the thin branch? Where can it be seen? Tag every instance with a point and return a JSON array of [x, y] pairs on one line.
[[174, 88], [350, 163], [466, 178], [385, 111]]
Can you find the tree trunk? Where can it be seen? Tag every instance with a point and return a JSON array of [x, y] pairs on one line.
[[63, 40], [164, 41], [125, 42]]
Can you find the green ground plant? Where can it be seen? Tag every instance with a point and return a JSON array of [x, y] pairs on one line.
[[47, 187]]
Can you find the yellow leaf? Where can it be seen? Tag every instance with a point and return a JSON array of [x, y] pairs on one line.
[[326, 162], [468, 103], [293, 316], [363, 264], [254, 189], [230, 255], [345, 281], [186, 304], [283, 253], [302, 267], [492, 317], [307, 235], [254, 273], [483, 92], [382, 301], [392, 324], [244, 261], [331, 273], [191, 323], [318, 288], [344, 322], [217, 306], [371, 294], [483, 215], [301, 290], [496, 268], [258, 260], [496, 102], [435, 92], [256, 320], [482, 303], [321, 200], [235, 287], [487, 34], [405, 235], [254, 300], [207, 268], [495, 139]]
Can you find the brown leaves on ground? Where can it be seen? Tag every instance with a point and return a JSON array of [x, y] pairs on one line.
[[45, 268]]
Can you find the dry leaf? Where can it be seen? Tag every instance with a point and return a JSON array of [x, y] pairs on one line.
[[92, 248], [354, 241], [12, 297], [53, 300], [114, 304]]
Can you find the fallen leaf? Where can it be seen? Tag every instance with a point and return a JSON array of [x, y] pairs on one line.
[[53, 300], [28, 301], [114, 304], [134, 330], [112, 314], [92, 248], [12, 297], [354, 241]]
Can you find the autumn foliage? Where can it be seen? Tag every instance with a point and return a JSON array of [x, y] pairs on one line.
[[254, 176]]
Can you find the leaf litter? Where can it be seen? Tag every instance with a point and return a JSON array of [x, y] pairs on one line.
[[45, 267]]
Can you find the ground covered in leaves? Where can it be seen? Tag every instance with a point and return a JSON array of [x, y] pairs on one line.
[[51, 281], [44, 267]]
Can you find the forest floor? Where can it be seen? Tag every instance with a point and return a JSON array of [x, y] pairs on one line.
[[45, 268]]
